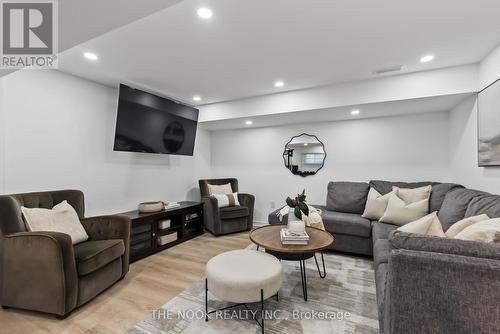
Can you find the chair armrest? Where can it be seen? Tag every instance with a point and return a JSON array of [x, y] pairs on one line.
[[248, 201], [417, 280], [211, 215], [110, 227], [39, 272]]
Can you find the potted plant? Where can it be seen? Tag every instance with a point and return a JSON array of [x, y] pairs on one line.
[[298, 207]]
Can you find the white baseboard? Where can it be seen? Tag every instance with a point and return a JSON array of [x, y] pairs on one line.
[[260, 223]]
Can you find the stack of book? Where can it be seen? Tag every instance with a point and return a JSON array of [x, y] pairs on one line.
[[293, 238]]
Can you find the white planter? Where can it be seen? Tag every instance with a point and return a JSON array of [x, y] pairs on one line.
[[295, 224]]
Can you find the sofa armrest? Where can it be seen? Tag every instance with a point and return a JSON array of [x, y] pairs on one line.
[[39, 272], [248, 201], [211, 215], [110, 227], [441, 293]]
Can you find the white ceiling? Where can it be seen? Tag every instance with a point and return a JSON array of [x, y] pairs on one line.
[[369, 110], [248, 44]]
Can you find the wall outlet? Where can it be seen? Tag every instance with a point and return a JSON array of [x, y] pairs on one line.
[[273, 205]]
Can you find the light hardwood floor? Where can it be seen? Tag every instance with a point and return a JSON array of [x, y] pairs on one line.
[[150, 283]]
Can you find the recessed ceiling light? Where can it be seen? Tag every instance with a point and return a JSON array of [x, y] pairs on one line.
[[196, 98], [248, 122], [90, 56], [205, 13], [427, 58], [305, 144], [355, 112], [279, 83]]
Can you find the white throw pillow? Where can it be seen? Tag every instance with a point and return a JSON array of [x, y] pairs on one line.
[[215, 189], [427, 225], [463, 224], [411, 195], [407, 205], [376, 204], [225, 200], [62, 218], [486, 231]]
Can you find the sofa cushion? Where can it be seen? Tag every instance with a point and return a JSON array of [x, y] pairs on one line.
[[93, 255], [385, 187], [346, 223], [438, 194], [485, 204], [349, 197], [381, 231], [455, 205], [381, 251], [234, 212]]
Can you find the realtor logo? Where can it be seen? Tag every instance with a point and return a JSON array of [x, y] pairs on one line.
[[29, 34]]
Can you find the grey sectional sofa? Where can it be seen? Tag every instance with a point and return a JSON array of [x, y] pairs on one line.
[[424, 284]]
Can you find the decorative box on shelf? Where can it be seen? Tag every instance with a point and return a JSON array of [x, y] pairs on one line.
[[166, 239], [293, 238], [164, 224]]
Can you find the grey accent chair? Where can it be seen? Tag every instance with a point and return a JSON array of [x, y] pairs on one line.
[[219, 221], [44, 271]]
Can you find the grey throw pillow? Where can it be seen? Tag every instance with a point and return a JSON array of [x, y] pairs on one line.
[[348, 197]]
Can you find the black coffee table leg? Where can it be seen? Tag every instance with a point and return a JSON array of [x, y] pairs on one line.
[[304, 278], [317, 265]]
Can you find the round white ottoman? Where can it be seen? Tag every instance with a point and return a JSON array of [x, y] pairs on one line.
[[239, 276]]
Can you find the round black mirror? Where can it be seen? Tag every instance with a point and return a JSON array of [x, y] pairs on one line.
[[304, 155]]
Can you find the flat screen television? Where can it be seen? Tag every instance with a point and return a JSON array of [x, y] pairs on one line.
[[149, 123]]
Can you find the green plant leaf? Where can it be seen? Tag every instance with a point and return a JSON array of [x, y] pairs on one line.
[[297, 212], [304, 208], [302, 197], [289, 202]]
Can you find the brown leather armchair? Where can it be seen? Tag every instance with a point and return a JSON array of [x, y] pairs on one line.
[[44, 271], [219, 221]]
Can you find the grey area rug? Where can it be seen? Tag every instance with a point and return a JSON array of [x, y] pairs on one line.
[[345, 297]]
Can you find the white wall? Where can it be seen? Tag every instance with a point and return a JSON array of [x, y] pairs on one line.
[[464, 158], [59, 134], [463, 136], [489, 68], [405, 148]]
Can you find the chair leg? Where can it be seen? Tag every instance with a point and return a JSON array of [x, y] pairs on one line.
[[262, 308], [206, 299]]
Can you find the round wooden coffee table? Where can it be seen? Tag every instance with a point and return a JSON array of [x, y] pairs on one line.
[[268, 237]]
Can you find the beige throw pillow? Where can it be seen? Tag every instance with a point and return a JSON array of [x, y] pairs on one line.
[[463, 224], [62, 218], [215, 189], [407, 205], [486, 231], [413, 195], [427, 225], [225, 200], [376, 204]]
